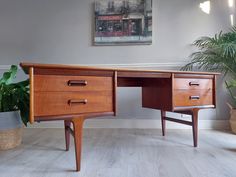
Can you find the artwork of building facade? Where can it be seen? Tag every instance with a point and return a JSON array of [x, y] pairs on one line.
[[123, 22]]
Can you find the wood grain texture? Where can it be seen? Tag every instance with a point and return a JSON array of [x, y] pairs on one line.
[[115, 93], [67, 125], [195, 126], [26, 66], [182, 98], [31, 80], [142, 74], [57, 83], [78, 134], [204, 75], [55, 94], [129, 82], [163, 122], [56, 103], [214, 91], [69, 116], [122, 153], [193, 83], [156, 94]]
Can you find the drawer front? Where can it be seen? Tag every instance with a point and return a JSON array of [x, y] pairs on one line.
[[192, 83], [66, 103], [72, 83], [192, 98]]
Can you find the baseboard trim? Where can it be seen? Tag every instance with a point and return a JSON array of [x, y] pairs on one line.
[[137, 124]]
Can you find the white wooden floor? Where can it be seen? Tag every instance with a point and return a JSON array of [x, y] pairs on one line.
[[122, 153]]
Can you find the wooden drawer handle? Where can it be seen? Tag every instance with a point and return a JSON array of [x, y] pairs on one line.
[[194, 97], [194, 84], [77, 83], [73, 102]]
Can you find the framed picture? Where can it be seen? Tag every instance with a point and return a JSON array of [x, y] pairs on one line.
[[123, 22]]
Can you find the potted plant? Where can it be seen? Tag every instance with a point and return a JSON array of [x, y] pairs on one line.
[[218, 53], [14, 108]]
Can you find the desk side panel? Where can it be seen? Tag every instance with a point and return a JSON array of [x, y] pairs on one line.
[[157, 93]]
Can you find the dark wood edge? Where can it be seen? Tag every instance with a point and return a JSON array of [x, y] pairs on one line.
[[172, 90], [31, 78], [66, 117], [214, 91], [72, 72], [70, 130], [26, 66], [114, 93], [195, 75], [192, 107], [188, 112], [178, 121], [141, 74]]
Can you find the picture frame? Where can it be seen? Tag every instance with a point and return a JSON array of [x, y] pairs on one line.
[[126, 22]]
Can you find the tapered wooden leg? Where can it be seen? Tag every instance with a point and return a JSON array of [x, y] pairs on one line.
[[78, 130], [195, 126], [67, 124], [163, 122]]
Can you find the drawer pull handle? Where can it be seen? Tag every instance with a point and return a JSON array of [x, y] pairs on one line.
[[73, 102], [194, 97], [193, 84], [77, 83]]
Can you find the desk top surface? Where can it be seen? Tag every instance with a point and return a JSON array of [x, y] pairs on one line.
[[26, 67]]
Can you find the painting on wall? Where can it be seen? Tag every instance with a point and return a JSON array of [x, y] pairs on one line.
[[123, 22]]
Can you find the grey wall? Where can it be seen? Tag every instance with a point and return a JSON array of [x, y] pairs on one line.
[[61, 31]]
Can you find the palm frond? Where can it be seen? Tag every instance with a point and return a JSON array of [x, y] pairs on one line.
[[217, 53]]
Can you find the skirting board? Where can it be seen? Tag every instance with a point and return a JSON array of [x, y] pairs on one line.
[[137, 124]]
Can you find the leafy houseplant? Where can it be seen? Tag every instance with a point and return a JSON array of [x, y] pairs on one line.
[[14, 96], [218, 53], [14, 107]]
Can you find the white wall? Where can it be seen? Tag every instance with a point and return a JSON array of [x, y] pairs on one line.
[[59, 31]]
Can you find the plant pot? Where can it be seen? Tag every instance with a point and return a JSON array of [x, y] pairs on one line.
[[232, 120], [10, 130]]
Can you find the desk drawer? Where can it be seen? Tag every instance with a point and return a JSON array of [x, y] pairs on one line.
[[192, 98], [72, 83], [193, 83], [66, 103]]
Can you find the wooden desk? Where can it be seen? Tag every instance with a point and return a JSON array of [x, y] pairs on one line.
[[75, 93]]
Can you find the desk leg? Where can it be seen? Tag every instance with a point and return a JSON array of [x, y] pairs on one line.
[[78, 130], [163, 122], [195, 126], [193, 123], [67, 124]]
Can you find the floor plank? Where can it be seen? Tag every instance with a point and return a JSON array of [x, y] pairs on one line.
[[122, 153]]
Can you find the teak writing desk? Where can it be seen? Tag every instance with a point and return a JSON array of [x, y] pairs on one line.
[[74, 93]]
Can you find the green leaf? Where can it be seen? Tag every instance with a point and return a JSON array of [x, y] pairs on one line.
[[14, 96], [9, 76], [217, 53]]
